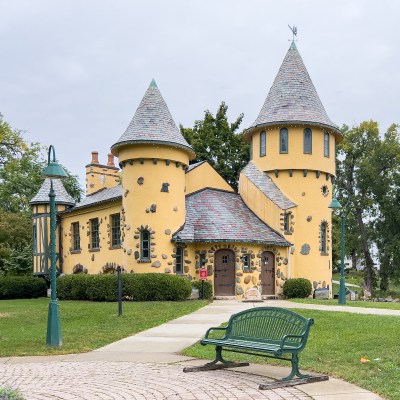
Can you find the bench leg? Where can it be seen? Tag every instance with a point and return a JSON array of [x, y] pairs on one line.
[[214, 364], [295, 369]]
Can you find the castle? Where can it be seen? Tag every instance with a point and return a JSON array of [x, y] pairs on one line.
[[159, 213]]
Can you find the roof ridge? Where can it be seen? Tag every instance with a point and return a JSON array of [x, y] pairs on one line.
[[210, 188]]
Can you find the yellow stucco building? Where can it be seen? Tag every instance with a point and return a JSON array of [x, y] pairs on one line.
[[159, 213]]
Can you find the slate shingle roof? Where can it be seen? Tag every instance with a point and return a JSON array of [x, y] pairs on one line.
[[62, 196], [193, 166], [267, 186], [152, 123], [214, 215], [293, 97], [101, 196]]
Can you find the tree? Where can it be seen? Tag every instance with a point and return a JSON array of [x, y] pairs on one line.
[[368, 186], [215, 140], [386, 193], [21, 166]]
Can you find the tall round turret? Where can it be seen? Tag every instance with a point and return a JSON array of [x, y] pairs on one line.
[[293, 142], [153, 156]]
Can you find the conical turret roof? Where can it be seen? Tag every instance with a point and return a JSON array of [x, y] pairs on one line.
[[292, 97], [62, 196], [152, 123]]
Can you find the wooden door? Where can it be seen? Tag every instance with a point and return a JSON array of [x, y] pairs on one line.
[[267, 273], [224, 273]]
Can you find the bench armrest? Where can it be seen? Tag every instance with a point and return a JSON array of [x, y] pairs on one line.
[[286, 337], [213, 329]]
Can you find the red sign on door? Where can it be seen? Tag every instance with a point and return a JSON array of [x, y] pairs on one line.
[[203, 273]]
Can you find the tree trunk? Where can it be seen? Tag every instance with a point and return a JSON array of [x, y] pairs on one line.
[[369, 272]]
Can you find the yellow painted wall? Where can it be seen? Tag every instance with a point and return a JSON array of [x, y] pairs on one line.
[[310, 187], [312, 209], [93, 260], [203, 176], [295, 158], [100, 176], [145, 168], [260, 204]]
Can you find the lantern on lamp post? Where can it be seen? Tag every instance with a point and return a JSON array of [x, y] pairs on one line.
[[53, 171]]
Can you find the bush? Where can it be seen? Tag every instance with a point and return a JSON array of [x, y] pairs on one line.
[[135, 287], [22, 287], [10, 394], [208, 290], [297, 288]]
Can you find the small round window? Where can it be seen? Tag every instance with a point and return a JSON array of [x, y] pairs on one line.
[[325, 190]]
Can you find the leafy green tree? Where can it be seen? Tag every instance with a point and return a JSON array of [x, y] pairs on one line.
[[15, 243], [368, 186], [216, 140], [21, 166], [386, 193], [354, 183]]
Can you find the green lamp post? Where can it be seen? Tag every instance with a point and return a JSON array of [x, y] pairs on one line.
[[335, 205], [53, 171]]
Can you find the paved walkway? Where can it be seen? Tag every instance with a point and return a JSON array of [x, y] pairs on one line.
[[146, 367]]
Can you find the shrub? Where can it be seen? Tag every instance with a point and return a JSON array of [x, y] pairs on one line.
[[22, 287], [10, 394], [208, 290], [297, 288], [135, 287]]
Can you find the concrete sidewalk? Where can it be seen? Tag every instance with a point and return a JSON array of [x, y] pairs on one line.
[[146, 366]]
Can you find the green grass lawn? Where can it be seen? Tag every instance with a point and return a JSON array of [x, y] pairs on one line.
[[366, 304], [84, 325], [336, 343]]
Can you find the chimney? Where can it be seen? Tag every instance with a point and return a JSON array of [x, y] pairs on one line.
[[110, 161], [95, 157]]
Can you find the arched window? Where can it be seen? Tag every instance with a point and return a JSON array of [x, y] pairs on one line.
[[283, 141], [179, 260], [326, 144], [263, 144], [323, 238], [307, 141], [145, 245]]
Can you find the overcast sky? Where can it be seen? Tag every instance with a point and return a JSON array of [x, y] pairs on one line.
[[72, 73]]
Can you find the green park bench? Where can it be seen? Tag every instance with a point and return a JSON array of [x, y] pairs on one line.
[[263, 331]]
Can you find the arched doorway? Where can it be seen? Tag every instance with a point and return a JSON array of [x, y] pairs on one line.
[[268, 273], [224, 273]]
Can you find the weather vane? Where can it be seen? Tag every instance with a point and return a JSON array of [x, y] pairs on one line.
[[294, 31]]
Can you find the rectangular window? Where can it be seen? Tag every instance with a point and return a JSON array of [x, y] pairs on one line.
[[34, 239], [76, 239], [326, 144], [145, 245], [283, 141], [307, 141], [203, 260], [246, 262], [263, 144], [115, 230], [323, 238], [179, 260], [94, 233], [251, 148], [286, 223]]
